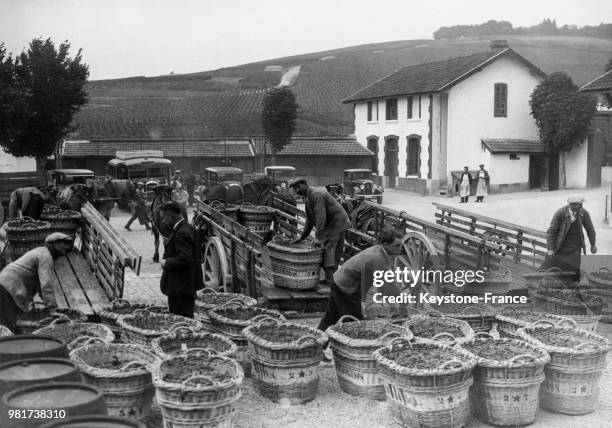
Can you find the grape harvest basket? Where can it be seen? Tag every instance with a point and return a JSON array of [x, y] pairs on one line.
[[197, 389], [230, 210], [601, 279], [445, 329], [577, 361], [73, 333], [183, 339], [505, 368], [208, 299], [510, 320], [426, 383], [295, 267], [110, 314], [28, 322], [232, 318], [142, 326], [63, 221], [352, 344], [257, 218], [122, 372], [480, 319], [285, 360], [25, 234]]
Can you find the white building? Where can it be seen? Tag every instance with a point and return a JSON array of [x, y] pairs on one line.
[[426, 122]]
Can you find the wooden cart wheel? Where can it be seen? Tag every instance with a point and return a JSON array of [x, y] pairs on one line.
[[215, 266], [418, 253]]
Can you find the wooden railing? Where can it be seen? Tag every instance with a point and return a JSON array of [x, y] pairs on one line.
[[522, 244], [106, 252]]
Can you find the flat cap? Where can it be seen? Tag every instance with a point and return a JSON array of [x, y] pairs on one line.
[[57, 236], [297, 180], [575, 199]]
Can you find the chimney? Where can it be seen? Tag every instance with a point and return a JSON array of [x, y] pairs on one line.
[[499, 44]]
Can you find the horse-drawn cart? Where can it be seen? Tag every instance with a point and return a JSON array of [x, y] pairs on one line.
[[237, 259]]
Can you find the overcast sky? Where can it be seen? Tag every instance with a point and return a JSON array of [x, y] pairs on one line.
[[122, 38]]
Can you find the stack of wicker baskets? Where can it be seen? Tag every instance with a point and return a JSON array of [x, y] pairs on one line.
[[295, 267], [578, 359], [197, 389], [285, 360], [353, 344], [63, 221], [426, 384], [142, 326], [231, 319], [257, 218], [506, 384], [443, 329], [25, 234], [109, 315], [73, 333], [122, 372], [184, 339], [600, 283], [208, 299], [28, 322]]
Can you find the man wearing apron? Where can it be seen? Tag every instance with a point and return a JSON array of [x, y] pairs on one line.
[[464, 185], [483, 184]]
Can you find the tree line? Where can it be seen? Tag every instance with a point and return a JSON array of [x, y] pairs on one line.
[[548, 27]]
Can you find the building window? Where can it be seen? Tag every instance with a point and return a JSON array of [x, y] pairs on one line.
[[514, 157], [372, 111], [419, 106], [500, 103], [391, 109], [410, 102], [413, 158]]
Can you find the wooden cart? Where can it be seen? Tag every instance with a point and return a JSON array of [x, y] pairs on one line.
[[236, 259], [92, 275]]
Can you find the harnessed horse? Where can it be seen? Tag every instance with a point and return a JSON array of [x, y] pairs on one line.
[[102, 194]]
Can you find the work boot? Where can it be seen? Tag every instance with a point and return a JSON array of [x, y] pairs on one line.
[[329, 279], [127, 227]]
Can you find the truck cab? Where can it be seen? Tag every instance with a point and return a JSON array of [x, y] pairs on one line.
[[280, 174], [59, 179], [227, 176], [360, 184]]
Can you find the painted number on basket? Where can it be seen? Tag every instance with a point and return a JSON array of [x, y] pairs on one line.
[[418, 401], [346, 372], [568, 388], [516, 398]]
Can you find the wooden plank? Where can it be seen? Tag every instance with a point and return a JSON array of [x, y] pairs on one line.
[[60, 298], [307, 294], [275, 293], [72, 289], [90, 285], [512, 226]]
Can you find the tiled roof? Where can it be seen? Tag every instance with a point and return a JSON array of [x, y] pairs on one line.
[[170, 148], [601, 83], [324, 146], [434, 76], [513, 146]]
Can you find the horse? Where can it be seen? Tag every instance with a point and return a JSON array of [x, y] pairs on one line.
[[102, 195], [161, 195], [73, 197]]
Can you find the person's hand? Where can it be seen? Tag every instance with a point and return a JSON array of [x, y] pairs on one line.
[[593, 249], [550, 253]]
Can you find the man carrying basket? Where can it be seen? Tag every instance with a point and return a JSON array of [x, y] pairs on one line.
[[330, 221]]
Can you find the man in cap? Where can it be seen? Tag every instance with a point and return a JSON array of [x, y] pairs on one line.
[[564, 238], [31, 274], [330, 221], [139, 208], [29, 201]]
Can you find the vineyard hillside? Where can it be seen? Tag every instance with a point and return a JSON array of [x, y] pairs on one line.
[[227, 101]]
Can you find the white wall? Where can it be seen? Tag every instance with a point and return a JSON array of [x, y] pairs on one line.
[[506, 171], [402, 127], [576, 167], [10, 163], [471, 118]]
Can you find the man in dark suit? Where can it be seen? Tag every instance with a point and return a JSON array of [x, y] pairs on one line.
[[182, 271]]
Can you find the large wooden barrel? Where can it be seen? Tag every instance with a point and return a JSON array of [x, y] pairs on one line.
[[16, 374], [28, 346], [96, 421], [53, 401]]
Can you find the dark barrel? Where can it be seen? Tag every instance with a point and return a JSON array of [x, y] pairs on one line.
[[95, 421], [26, 346], [76, 399], [16, 374]]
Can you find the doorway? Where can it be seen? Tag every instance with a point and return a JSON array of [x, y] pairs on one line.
[[373, 147], [536, 168], [391, 160]]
